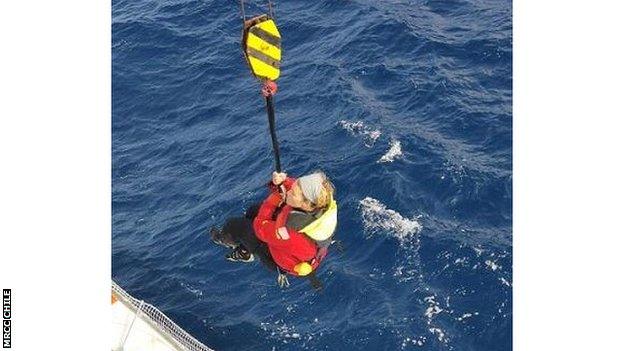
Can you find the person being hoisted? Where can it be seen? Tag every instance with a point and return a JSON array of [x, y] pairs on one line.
[[305, 221], [291, 230]]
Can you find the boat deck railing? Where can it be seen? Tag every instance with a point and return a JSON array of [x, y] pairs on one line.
[[162, 323]]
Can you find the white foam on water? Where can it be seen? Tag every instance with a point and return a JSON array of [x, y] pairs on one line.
[[467, 315], [192, 290], [478, 250], [379, 220], [420, 341], [432, 310], [439, 333], [393, 153], [281, 330], [377, 217], [461, 260], [504, 281], [373, 135], [464, 316], [492, 265], [352, 127], [291, 308], [358, 128]]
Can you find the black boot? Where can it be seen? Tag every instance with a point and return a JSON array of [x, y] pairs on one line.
[[217, 237], [240, 254]]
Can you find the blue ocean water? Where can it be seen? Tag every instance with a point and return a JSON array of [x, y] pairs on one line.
[[407, 105]]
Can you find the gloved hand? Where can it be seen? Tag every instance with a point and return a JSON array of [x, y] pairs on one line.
[[278, 178]]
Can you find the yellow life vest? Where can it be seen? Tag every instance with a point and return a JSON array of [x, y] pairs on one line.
[[320, 230], [323, 228]]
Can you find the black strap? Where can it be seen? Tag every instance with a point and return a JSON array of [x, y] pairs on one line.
[[271, 115]]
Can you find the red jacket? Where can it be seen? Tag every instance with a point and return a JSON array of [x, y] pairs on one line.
[[288, 249]]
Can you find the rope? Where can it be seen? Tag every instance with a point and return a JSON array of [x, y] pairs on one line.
[[271, 10], [269, 88], [242, 6], [242, 10]]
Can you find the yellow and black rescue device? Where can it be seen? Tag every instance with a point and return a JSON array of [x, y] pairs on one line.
[[262, 47]]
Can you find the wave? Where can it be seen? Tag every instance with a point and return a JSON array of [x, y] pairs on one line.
[[358, 128], [376, 216], [392, 153]]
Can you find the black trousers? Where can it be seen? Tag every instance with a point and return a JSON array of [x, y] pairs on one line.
[[239, 231]]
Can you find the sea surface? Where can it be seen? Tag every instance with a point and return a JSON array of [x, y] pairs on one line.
[[407, 105]]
